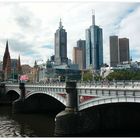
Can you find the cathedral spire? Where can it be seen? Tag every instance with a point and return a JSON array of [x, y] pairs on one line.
[[35, 64], [19, 69], [6, 55], [7, 48], [6, 63]]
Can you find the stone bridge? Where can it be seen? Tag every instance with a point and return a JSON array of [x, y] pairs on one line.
[[86, 94], [105, 105]]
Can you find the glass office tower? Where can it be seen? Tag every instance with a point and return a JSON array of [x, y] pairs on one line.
[[94, 46]]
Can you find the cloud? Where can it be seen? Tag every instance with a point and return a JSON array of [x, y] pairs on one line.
[[129, 27], [47, 46], [24, 22], [30, 27]]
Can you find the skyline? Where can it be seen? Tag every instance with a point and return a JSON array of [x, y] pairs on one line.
[[30, 27]]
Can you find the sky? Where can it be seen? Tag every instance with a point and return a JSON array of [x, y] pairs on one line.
[[29, 26]]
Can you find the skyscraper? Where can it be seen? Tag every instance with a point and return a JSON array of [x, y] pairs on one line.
[[114, 50], [94, 46], [119, 50], [124, 49], [79, 54], [61, 45]]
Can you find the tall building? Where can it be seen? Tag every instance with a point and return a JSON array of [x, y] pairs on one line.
[[114, 51], [94, 46], [119, 50], [79, 55], [124, 49], [61, 45], [6, 63]]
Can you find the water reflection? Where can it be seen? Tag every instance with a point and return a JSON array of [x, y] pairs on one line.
[[25, 125]]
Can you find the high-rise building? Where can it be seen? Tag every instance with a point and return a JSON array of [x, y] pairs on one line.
[[119, 50], [61, 45], [124, 49], [94, 46], [79, 55], [114, 50]]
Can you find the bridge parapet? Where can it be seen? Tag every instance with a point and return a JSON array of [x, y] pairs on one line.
[[92, 94], [115, 84]]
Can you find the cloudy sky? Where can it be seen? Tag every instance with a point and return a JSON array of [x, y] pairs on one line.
[[30, 26]]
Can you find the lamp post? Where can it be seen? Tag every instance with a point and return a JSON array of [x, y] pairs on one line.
[[66, 78], [13, 74]]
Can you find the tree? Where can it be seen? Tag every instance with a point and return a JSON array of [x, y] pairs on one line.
[[88, 76], [124, 75]]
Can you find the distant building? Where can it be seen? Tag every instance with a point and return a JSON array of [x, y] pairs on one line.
[[52, 58], [78, 57], [124, 49], [114, 51], [119, 50], [61, 45], [94, 46], [79, 54], [15, 69], [26, 69]]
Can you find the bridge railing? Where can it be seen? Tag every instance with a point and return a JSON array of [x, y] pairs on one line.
[[110, 84], [113, 84]]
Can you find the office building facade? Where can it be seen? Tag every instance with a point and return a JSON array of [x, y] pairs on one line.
[[124, 49], [94, 46], [114, 50], [119, 50], [79, 54], [61, 45]]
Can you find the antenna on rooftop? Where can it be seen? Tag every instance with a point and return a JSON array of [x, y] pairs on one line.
[[93, 17]]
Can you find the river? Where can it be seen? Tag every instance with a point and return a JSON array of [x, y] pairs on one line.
[[41, 125], [25, 125]]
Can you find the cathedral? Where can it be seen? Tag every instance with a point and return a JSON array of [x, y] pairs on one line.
[[11, 67]]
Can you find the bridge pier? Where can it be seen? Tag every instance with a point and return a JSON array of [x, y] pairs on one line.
[[2, 89], [70, 121], [18, 105], [65, 120]]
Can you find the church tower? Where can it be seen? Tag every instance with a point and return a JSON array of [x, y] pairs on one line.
[[6, 63], [19, 68]]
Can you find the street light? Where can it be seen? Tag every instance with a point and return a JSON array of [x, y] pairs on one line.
[[66, 78]]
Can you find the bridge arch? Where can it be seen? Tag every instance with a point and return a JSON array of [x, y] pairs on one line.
[[43, 102], [11, 96], [108, 100], [113, 119]]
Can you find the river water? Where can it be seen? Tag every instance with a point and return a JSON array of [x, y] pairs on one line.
[[25, 125], [39, 125]]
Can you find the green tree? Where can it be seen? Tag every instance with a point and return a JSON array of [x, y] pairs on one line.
[[88, 76], [124, 75]]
